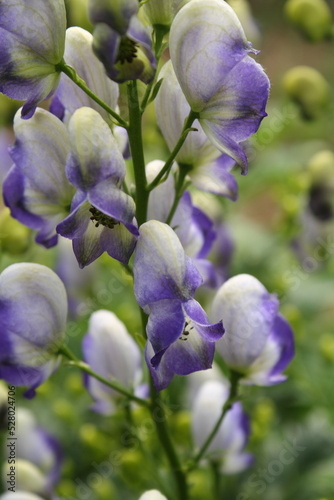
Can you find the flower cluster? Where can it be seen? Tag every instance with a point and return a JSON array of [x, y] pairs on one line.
[[70, 179]]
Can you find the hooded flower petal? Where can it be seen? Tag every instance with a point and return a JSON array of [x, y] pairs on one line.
[[112, 353], [249, 312], [69, 97], [231, 102], [161, 268], [94, 152], [32, 38], [33, 310], [36, 189]]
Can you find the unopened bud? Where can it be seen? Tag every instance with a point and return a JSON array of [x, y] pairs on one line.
[[321, 167], [312, 17], [308, 88]]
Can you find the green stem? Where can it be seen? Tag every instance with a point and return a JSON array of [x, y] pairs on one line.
[[168, 165], [160, 420], [64, 350], [179, 190], [234, 378], [137, 152], [72, 74]]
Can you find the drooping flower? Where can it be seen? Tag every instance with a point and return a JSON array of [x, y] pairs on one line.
[[180, 337], [32, 37], [83, 202], [208, 169], [121, 41], [258, 341], [68, 96], [192, 226], [112, 353], [33, 310], [231, 438], [97, 169], [206, 38]]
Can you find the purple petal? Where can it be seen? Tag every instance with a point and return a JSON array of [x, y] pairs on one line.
[[209, 332], [117, 14], [235, 112], [110, 200], [283, 335], [165, 324]]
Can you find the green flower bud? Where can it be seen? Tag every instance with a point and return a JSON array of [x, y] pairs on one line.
[[14, 237], [162, 12], [321, 167], [312, 17], [308, 88]]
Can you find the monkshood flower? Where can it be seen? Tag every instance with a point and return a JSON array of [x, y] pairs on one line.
[[32, 37], [180, 338], [83, 202], [232, 436], [208, 169], [37, 446], [258, 341], [121, 41], [192, 226], [33, 310], [68, 96], [96, 168], [152, 495], [111, 352], [206, 38]]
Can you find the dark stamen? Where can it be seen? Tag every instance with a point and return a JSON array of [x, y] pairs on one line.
[[127, 50], [102, 219]]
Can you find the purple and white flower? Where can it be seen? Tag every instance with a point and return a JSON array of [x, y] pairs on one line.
[[83, 202], [206, 38], [32, 38], [33, 311], [209, 169], [258, 341], [96, 168], [180, 337], [231, 438], [121, 42], [111, 352]]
